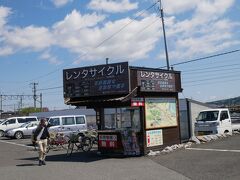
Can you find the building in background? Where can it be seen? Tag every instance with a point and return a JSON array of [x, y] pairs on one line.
[[189, 110]]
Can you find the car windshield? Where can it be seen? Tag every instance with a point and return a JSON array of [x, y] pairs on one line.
[[208, 116], [24, 125], [3, 121]]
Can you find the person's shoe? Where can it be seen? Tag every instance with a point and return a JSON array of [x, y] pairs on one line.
[[43, 163], [40, 163]]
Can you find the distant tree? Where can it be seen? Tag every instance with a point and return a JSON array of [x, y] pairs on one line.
[[28, 110]]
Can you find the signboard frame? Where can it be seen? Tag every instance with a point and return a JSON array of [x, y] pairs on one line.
[[156, 81], [100, 80]]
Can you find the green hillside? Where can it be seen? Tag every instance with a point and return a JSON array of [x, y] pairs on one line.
[[227, 102]]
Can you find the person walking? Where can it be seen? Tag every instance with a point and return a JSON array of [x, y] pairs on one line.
[[41, 136]]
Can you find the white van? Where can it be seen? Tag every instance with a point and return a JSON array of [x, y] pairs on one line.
[[213, 121], [15, 122], [68, 123]]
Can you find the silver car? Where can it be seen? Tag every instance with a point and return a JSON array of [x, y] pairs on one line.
[[23, 131]]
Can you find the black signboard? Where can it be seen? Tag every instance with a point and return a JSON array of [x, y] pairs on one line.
[[156, 81], [107, 79]]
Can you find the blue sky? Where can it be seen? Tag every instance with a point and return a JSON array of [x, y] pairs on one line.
[[40, 38]]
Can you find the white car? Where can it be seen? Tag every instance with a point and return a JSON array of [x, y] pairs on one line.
[[23, 131], [15, 122]]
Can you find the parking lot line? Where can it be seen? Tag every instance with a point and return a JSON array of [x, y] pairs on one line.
[[220, 150], [23, 145]]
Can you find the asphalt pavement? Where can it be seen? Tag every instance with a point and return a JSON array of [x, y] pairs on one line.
[[19, 162], [218, 160]]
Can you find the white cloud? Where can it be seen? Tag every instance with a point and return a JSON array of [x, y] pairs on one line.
[[205, 8], [81, 34], [112, 6], [60, 3], [175, 7], [75, 21], [31, 37], [50, 58], [205, 31], [4, 51], [4, 13]]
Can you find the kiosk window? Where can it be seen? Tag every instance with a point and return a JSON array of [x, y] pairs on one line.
[[122, 118]]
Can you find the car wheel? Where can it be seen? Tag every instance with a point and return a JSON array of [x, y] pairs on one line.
[[226, 131], [18, 135], [1, 133]]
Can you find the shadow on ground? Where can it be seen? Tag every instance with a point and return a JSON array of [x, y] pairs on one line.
[[25, 165], [85, 157]]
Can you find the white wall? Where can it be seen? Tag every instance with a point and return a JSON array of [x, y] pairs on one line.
[[194, 110]]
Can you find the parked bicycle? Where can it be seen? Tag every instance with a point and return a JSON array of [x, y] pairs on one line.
[[57, 140], [93, 135], [78, 142]]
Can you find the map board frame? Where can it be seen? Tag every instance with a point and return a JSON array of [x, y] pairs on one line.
[[162, 119]]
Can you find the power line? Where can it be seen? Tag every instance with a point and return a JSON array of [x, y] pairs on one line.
[[213, 67], [58, 87], [206, 57], [210, 72], [209, 79], [215, 82]]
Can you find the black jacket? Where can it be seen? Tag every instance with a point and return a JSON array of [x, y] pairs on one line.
[[45, 133]]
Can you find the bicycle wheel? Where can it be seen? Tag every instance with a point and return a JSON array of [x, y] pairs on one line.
[[49, 146], [86, 144], [70, 148], [64, 144]]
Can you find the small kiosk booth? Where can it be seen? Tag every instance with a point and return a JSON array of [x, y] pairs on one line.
[[136, 107]]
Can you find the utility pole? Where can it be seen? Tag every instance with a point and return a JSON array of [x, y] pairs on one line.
[[21, 102], [34, 93], [164, 34], [41, 101], [1, 110]]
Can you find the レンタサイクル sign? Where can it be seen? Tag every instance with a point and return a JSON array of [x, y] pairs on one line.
[[156, 81], [96, 80]]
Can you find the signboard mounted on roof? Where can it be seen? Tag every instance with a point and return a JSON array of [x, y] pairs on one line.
[[156, 81], [107, 79]]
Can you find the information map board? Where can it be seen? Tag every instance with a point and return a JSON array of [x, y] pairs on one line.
[[96, 80], [160, 112]]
